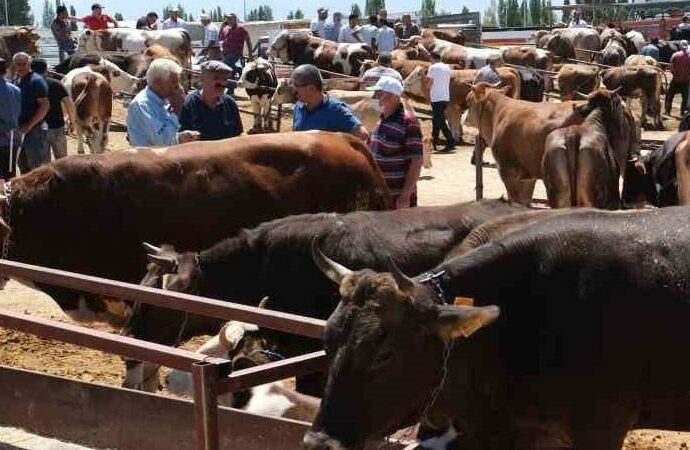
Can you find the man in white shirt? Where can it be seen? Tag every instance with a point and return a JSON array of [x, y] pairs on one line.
[[173, 21], [350, 33], [210, 31], [318, 23], [370, 31], [437, 81], [577, 22], [386, 38]]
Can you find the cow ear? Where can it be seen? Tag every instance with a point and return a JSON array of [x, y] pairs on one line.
[[463, 321]]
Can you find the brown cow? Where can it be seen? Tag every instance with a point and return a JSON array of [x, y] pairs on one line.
[[583, 163], [15, 40], [467, 57], [190, 195], [302, 48], [456, 37], [643, 82], [516, 131], [574, 78], [93, 100], [413, 51]]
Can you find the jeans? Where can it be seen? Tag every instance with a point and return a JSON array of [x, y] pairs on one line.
[[673, 89], [57, 142], [232, 60], [439, 124], [66, 48], [35, 151]]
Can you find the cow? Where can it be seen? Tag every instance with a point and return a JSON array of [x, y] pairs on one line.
[[636, 39], [582, 163], [607, 34], [574, 78], [638, 82], [411, 51], [532, 84], [563, 42], [460, 85], [259, 80], [18, 39], [274, 260], [667, 49], [302, 48], [566, 297], [516, 131], [614, 52], [137, 41], [466, 57], [211, 189], [92, 95], [529, 56], [659, 178], [641, 60], [456, 37]]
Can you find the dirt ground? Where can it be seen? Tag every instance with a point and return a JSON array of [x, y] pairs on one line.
[[450, 180]]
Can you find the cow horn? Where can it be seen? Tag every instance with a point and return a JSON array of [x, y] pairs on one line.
[[162, 260], [580, 94], [330, 268], [263, 303], [467, 83], [404, 282], [152, 249], [615, 91]]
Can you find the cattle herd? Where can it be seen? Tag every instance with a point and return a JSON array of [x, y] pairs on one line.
[[490, 324]]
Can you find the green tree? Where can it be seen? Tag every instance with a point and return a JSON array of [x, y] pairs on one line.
[[547, 16], [356, 10], [118, 17], [566, 13], [428, 8], [299, 15], [290, 16], [513, 14], [502, 13], [262, 13], [465, 10], [48, 13], [73, 13], [489, 18], [191, 17], [18, 13], [524, 14], [372, 7], [535, 12]]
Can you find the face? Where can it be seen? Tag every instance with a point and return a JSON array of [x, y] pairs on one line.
[[384, 326], [232, 20], [97, 12], [307, 94], [215, 83], [389, 102], [323, 15], [167, 87], [22, 67], [383, 14], [151, 19], [337, 18], [173, 15], [407, 20], [63, 15], [170, 270]]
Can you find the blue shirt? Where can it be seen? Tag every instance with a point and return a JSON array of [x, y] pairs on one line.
[[9, 113], [149, 122], [32, 87], [220, 122], [330, 115], [651, 50], [331, 31], [386, 39]]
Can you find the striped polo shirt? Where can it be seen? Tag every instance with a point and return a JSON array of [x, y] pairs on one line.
[[396, 141]]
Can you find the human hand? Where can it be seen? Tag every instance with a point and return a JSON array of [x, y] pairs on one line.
[[188, 136]]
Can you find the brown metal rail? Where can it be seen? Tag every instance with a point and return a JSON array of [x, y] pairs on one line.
[[210, 375]]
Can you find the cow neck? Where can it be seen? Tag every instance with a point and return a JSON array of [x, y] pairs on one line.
[[8, 219]]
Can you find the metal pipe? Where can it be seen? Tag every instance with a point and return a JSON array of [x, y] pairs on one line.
[[205, 376]]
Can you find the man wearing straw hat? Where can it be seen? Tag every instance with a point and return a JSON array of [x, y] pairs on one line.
[[9, 121]]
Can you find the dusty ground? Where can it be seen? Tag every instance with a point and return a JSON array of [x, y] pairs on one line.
[[450, 180]]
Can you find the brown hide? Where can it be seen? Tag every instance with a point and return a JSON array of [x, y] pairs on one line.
[[306, 49], [576, 77], [682, 156], [93, 101], [22, 39], [643, 82], [457, 37]]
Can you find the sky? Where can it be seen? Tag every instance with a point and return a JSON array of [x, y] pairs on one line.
[[132, 9]]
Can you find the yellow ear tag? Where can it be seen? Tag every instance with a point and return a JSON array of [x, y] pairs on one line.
[[463, 301]]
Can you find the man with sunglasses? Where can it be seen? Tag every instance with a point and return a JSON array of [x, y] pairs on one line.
[[209, 110]]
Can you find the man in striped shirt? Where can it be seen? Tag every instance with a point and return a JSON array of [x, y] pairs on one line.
[[396, 143]]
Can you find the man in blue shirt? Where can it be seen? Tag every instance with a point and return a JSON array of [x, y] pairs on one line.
[[35, 106], [332, 29], [9, 121], [316, 110], [209, 110], [152, 115], [652, 49]]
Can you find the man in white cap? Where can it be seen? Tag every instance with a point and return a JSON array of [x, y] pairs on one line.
[[173, 21], [210, 31], [318, 23], [396, 143]]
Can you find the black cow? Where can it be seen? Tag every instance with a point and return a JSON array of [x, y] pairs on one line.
[[593, 313], [274, 260], [666, 50], [532, 84]]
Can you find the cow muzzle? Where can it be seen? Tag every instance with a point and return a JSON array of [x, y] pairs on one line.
[[321, 441]]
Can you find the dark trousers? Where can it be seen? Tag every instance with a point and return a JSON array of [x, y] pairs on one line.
[[8, 170], [439, 123], [674, 88]]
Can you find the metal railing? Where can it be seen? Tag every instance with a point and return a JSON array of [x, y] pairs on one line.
[[211, 376]]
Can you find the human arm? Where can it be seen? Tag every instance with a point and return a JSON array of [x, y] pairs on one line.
[[248, 42], [69, 110], [414, 152], [111, 20], [145, 130], [39, 115], [361, 133]]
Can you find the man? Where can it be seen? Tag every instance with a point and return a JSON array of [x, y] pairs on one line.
[[369, 32], [577, 22], [651, 49], [680, 69], [331, 30], [173, 21], [386, 38], [437, 82], [384, 60], [9, 122], [97, 20], [683, 26], [210, 31], [350, 33], [318, 23], [396, 143], [316, 110], [209, 111], [62, 33], [409, 29], [489, 73], [150, 121], [383, 19], [149, 22], [32, 126], [60, 104], [232, 37]]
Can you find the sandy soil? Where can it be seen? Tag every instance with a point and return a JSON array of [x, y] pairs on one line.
[[450, 180]]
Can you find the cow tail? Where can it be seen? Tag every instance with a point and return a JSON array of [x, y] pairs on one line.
[[572, 154], [82, 95], [379, 195]]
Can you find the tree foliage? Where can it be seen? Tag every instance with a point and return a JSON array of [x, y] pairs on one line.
[[372, 7], [18, 13], [428, 8], [465, 10], [295, 15], [356, 10], [262, 13], [489, 18], [118, 16], [182, 14], [48, 13], [513, 18]]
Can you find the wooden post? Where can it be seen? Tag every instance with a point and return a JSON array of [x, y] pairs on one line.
[[205, 376], [478, 157]]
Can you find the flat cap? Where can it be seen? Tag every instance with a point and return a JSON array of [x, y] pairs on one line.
[[216, 67]]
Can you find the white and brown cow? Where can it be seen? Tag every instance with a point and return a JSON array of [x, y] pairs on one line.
[[260, 82], [90, 90], [451, 53], [302, 48]]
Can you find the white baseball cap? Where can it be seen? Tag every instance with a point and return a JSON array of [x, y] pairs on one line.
[[389, 85]]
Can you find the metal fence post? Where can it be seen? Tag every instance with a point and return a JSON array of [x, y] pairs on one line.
[[205, 376], [478, 157]]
